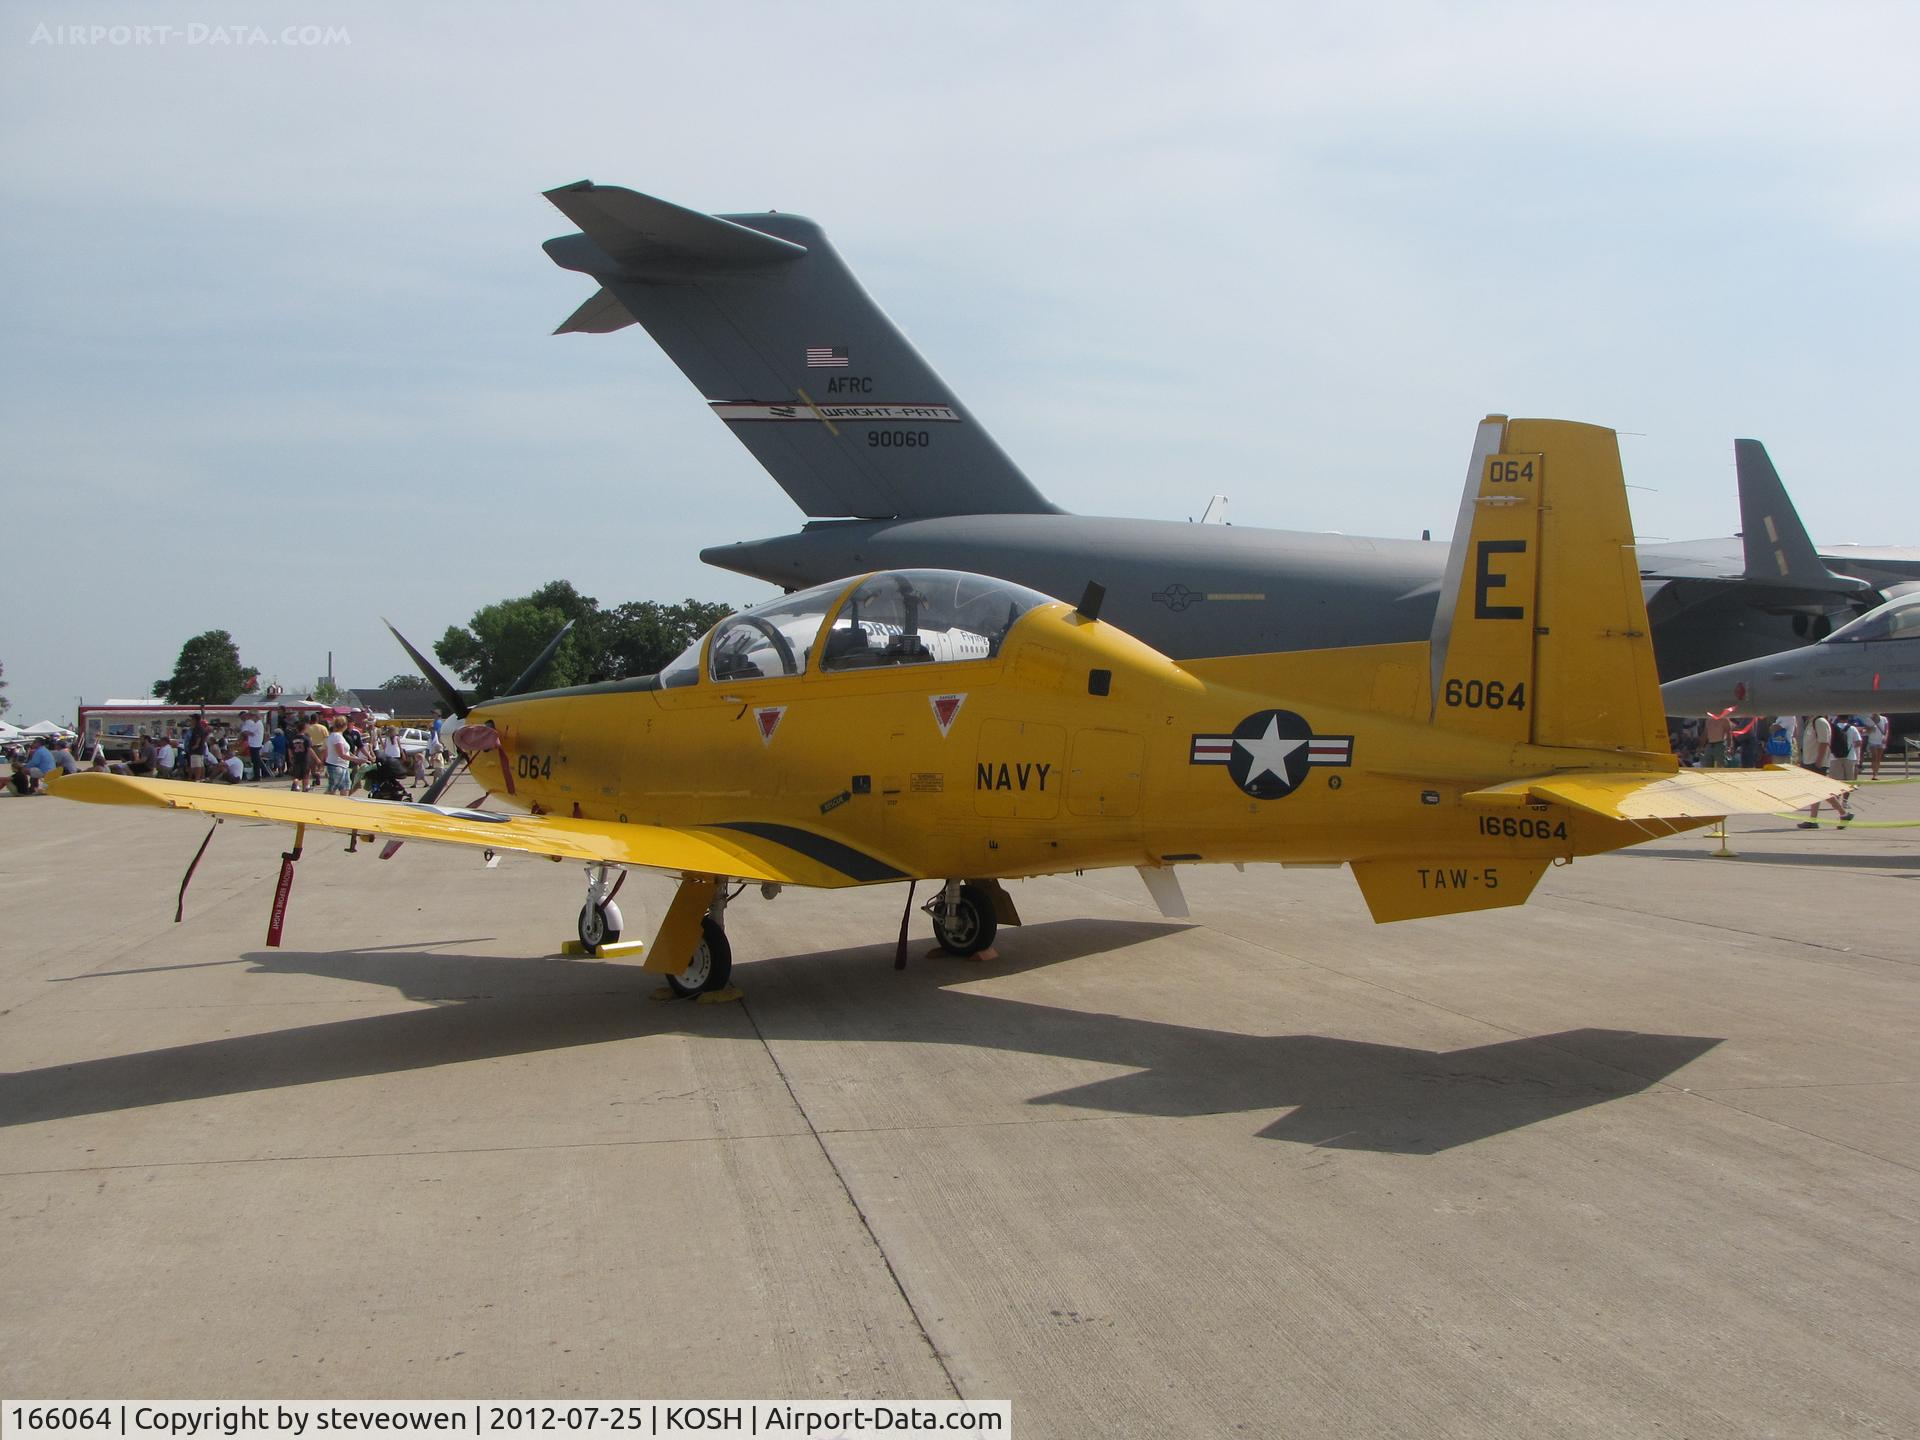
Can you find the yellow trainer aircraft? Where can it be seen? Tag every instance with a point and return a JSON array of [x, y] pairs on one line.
[[912, 725]]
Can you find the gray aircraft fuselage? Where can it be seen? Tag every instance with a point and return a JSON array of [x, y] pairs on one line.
[[1187, 590], [789, 351], [1872, 665], [1197, 590]]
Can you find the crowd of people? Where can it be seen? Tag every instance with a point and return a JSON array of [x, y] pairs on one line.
[[1845, 748], [343, 752]]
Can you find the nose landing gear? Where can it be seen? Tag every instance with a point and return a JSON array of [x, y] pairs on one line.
[[600, 918]]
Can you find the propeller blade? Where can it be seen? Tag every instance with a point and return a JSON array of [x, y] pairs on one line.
[[447, 777], [456, 705], [540, 662]]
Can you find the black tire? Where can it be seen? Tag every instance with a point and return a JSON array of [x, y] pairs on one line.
[[972, 927], [595, 930], [711, 966]]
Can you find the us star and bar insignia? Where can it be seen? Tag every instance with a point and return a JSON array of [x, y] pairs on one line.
[[1268, 753]]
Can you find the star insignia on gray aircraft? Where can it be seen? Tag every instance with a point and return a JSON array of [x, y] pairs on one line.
[[1269, 753]]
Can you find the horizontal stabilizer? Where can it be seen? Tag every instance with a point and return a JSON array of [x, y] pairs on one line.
[[1404, 890], [600, 314], [1687, 795], [643, 235], [1779, 552]]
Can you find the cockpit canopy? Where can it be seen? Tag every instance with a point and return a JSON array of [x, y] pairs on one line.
[[892, 617], [1896, 620]]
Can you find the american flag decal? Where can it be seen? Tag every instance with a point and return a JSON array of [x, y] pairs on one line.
[[826, 357]]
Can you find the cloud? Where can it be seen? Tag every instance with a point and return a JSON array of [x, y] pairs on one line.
[[1290, 252]]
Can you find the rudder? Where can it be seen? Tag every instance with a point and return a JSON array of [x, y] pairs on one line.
[[1546, 640], [790, 352]]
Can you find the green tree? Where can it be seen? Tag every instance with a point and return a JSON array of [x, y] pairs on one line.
[[493, 649], [5, 703], [324, 690], [640, 637], [208, 672]]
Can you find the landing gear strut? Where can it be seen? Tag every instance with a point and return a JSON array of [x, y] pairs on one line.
[[600, 919], [963, 918]]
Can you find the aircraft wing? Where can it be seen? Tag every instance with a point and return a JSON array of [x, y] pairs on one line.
[[1686, 795], [783, 854]]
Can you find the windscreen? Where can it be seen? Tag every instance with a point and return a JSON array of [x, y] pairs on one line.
[[919, 617], [1895, 620]]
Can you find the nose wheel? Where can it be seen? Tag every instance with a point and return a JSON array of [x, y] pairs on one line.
[[600, 918], [599, 925]]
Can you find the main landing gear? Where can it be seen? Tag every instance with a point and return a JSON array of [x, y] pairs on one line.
[[964, 920], [711, 965], [690, 950]]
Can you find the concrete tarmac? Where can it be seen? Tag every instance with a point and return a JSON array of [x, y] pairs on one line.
[[1637, 1159]]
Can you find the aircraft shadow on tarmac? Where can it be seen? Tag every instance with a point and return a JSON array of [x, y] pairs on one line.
[[1339, 1093]]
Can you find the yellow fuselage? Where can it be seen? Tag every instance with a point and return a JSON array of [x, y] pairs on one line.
[[1036, 772]]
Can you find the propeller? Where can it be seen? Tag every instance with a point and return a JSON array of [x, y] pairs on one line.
[[459, 708], [540, 661], [456, 705]]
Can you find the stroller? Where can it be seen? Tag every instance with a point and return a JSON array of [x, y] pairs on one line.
[[385, 780]]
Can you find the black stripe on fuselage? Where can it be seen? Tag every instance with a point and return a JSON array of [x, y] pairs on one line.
[[852, 863]]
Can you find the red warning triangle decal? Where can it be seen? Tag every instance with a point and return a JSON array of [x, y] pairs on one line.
[[945, 707], [769, 718]]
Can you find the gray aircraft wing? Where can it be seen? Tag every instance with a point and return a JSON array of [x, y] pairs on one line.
[[790, 353]]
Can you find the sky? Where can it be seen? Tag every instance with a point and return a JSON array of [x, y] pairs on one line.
[[275, 349]]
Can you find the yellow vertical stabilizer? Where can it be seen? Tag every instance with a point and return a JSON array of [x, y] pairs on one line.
[[1542, 633]]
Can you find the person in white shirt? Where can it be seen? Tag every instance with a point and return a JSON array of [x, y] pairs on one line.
[[339, 758], [252, 733], [1821, 753], [1879, 729], [236, 767], [164, 756]]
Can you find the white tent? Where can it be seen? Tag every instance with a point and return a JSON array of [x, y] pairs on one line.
[[10, 733], [49, 729]]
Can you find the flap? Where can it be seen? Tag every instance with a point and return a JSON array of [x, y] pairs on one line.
[[785, 854]]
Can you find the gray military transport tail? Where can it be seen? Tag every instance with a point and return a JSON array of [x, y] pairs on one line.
[[894, 472], [792, 355]]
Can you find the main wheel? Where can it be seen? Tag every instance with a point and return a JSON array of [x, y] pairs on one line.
[[599, 925], [711, 965], [971, 927]]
